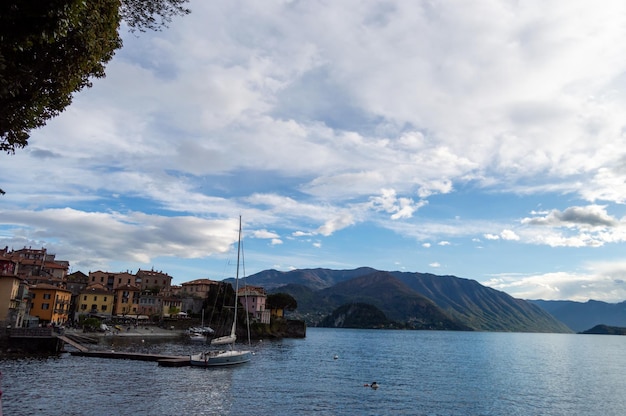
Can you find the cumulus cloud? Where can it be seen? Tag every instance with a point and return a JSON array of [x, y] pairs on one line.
[[264, 234], [389, 202], [134, 236], [509, 235], [590, 216], [600, 281], [335, 224]]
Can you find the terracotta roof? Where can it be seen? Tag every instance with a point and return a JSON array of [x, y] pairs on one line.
[[45, 286], [200, 282]]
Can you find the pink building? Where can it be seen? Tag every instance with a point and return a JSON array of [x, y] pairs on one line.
[[253, 300]]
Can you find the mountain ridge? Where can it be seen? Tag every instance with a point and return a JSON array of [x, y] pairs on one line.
[[464, 301]]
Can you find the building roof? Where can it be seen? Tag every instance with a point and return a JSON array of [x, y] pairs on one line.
[[200, 282], [45, 286]]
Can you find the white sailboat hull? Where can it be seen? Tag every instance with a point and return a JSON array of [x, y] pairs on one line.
[[220, 358], [229, 339]]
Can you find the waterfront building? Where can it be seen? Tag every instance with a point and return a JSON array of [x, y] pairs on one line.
[[49, 303], [37, 265], [153, 280], [95, 300], [13, 295], [253, 300], [197, 288], [126, 300]]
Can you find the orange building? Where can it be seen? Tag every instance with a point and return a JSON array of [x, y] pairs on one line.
[[51, 304]]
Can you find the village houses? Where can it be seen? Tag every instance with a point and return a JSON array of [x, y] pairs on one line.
[[36, 290]]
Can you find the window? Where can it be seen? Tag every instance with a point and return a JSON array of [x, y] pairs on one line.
[[85, 297], [46, 295], [104, 308], [105, 298], [83, 307], [45, 306], [95, 298]]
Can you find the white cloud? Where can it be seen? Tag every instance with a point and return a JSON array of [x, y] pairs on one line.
[[601, 281], [509, 235], [264, 234]]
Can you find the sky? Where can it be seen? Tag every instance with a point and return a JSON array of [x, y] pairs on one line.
[[483, 139]]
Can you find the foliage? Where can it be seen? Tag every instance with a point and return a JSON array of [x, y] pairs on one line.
[[89, 324], [281, 301], [142, 14], [51, 49]]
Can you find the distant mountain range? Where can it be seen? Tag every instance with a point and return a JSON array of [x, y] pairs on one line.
[[423, 301], [582, 316]]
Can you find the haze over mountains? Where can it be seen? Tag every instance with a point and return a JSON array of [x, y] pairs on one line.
[[581, 316], [426, 301]]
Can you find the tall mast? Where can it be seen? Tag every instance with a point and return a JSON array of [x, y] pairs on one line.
[[237, 278]]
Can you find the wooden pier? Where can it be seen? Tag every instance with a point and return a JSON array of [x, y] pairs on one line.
[[162, 360], [73, 343]]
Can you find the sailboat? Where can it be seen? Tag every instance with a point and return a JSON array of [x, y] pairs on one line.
[[201, 334], [215, 358]]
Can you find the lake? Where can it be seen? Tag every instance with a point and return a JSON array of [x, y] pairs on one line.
[[419, 373]]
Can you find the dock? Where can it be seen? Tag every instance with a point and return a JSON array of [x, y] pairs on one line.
[[162, 360], [73, 343]]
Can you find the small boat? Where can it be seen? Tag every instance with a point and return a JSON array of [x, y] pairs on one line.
[[216, 358], [197, 337], [202, 333]]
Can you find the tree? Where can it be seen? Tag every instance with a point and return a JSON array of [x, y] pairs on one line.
[[52, 49], [281, 301]]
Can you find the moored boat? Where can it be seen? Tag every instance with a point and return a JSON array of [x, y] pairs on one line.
[[215, 358]]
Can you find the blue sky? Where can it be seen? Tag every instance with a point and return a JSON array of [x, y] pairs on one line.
[[482, 140]]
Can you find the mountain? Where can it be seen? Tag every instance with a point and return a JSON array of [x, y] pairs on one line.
[[461, 301], [605, 330], [312, 278], [481, 307], [356, 315], [580, 316], [394, 298]]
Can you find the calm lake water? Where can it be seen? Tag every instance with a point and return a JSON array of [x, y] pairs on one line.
[[419, 373]]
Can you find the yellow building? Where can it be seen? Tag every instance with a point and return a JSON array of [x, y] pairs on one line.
[[51, 304], [95, 299], [126, 300]]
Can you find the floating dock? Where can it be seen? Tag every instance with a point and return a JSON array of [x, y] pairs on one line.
[[162, 360]]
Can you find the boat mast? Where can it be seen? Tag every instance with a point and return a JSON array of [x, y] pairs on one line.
[[237, 278]]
